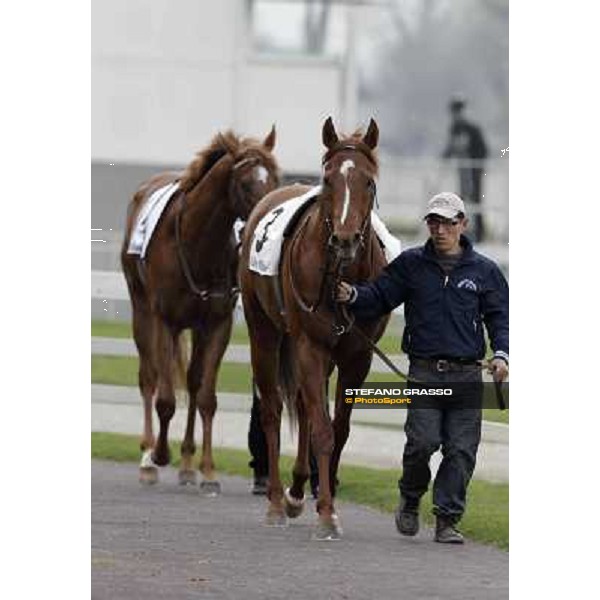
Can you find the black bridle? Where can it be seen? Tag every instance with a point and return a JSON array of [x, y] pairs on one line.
[[334, 263], [222, 288]]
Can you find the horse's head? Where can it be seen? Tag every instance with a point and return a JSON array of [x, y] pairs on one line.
[[254, 174], [349, 171]]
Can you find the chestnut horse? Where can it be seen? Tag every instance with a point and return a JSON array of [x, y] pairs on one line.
[[298, 334], [188, 280]]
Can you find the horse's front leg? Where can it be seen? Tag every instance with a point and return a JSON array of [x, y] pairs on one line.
[[218, 336], [351, 374], [187, 473], [313, 363]]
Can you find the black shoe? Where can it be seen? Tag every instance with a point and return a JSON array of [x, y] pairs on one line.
[[260, 485], [407, 517], [446, 532]]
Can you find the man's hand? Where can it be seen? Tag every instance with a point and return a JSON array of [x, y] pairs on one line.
[[344, 292], [498, 368]]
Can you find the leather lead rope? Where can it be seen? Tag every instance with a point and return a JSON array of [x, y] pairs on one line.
[[497, 384], [206, 293]]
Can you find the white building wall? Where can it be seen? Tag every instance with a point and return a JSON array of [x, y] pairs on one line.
[[296, 95], [166, 76]]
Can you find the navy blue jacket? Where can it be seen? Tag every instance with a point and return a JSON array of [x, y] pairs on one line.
[[443, 313]]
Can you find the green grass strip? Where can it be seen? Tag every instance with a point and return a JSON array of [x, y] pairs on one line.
[[486, 519], [389, 343], [233, 378]]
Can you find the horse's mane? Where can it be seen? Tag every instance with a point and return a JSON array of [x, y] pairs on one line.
[[356, 141], [220, 145]]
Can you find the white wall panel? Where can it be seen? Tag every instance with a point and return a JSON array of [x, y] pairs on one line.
[[297, 97]]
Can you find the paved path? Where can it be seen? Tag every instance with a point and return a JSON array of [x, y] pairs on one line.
[[167, 542], [118, 409]]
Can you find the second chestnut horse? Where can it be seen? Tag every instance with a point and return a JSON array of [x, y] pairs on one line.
[[188, 280]]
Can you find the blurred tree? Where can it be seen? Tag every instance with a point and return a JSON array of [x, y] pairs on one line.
[[431, 50], [317, 17]]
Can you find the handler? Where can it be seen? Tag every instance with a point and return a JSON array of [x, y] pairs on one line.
[[448, 291]]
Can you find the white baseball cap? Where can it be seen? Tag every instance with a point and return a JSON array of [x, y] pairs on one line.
[[445, 204]]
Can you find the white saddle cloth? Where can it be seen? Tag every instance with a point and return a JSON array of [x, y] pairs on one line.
[[148, 218], [267, 238], [391, 244]]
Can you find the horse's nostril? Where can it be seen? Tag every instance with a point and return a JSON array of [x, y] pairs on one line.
[[335, 240]]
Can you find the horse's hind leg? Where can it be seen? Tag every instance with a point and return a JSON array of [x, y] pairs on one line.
[[312, 374], [270, 412], [265, 341], [294, 497], [216, 343], [187, 473]]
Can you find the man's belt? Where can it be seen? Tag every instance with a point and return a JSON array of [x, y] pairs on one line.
[[443, 365]]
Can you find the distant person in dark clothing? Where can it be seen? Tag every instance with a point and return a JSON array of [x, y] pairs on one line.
[[466, 143]]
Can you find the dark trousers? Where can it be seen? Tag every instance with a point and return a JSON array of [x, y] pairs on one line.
[[257, 441], [457, 431]]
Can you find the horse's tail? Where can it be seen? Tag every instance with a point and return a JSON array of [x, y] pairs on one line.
[[287, 379]]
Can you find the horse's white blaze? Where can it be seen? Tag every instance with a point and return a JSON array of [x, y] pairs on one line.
[[261, 174], [346, 165]]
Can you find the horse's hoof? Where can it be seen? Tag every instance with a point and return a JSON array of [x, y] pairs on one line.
[[210, 488], [275, 518], [294, 507], [328, 530], [188, 477], [148, 475], [148, 470]]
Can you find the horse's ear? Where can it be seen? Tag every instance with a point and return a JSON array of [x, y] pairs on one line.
[[269, 142], [372, 136], [329, 135]]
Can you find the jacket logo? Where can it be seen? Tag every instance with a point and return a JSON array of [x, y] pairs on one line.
[[468, 284]]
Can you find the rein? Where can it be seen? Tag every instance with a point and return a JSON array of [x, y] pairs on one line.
[[309, 308], [226, 291], [371, 344], [332, 272], [207, 292]]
